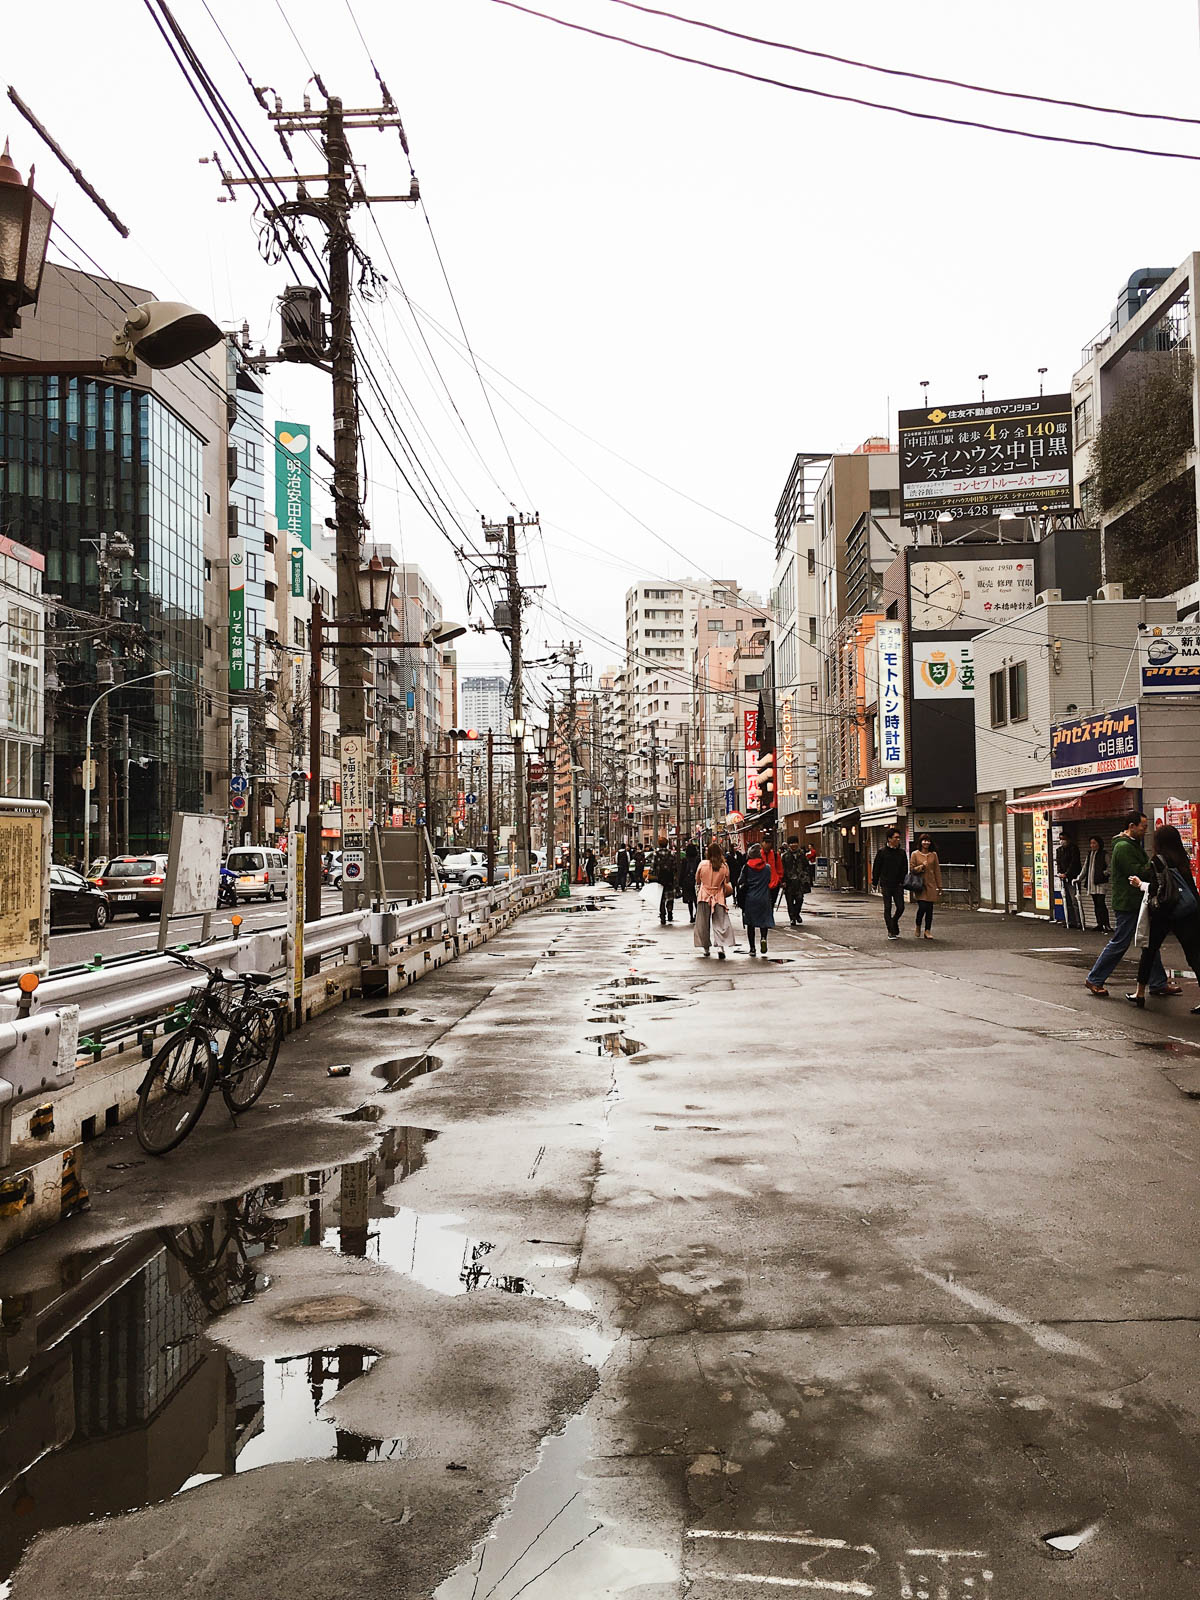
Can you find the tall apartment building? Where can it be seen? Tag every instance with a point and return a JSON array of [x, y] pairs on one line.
[[797, 655], [725, 620]]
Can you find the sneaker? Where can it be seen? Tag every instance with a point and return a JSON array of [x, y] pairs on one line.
[[764, 947], [893, 935], [720, 955]]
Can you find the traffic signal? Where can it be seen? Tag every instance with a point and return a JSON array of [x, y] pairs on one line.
[[766, 778], [461, 733]]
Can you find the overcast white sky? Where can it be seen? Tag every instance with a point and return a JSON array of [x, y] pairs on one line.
[[704, 274]]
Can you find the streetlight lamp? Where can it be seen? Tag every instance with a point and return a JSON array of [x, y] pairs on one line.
[[88, 770], [24, 234]]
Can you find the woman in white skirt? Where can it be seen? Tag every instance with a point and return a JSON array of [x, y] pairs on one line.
[[712, 919]]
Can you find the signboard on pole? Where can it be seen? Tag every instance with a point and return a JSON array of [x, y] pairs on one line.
[[983, 457], [942, 669], [296, 567], [889, 642], [293, 495], [1087, 749], [354, 793], [1169, 658], [24, 887], [750, 739], [237, 614]]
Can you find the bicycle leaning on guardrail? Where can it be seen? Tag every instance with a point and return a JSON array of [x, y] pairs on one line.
[[173, 1094]]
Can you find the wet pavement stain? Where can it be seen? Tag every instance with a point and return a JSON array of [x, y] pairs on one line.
[[544, 1547], [400, 1071], [1171, 1047]]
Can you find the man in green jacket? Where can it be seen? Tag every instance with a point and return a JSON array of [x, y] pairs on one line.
[[1129, 859]]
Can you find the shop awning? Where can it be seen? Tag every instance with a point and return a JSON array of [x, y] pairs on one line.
[[1063, 799], [833, 818], [879, 817]]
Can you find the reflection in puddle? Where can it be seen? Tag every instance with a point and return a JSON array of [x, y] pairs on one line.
[[614, 1044], [428, 1249], [641, 1000], [627, 983], [545, 1546], [390, 1011], [401, 1070], [112, 1396]]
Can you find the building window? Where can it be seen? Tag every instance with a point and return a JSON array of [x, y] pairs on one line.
[[1083, 419], [1087, 502], [754, 680], [208, 783], [812, 562], [998, 699], [1018, 691]]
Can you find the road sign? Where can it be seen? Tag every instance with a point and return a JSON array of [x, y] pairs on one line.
[[354, 865], [237, 802], [89, 776], [471, 800], [239, 784]]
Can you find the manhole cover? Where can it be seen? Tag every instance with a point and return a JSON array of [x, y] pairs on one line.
[[325, 1308]]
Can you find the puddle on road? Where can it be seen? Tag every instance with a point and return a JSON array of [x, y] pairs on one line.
[[584, 905], [390, 1011], [112, 1395], [627, 983], [400, 1071], [642, 1000], [614, 1044], [545, 1546]]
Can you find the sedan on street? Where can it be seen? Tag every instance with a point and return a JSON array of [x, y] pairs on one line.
[[74, 899]]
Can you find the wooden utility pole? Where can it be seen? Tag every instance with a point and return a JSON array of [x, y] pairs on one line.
[[312, 841], [551, 736]]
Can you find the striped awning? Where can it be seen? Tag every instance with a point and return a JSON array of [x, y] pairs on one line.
[[1061, 799]]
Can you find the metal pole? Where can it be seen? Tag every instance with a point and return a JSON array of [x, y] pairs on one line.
[[654, 780], [125, 800], [687, 779], [347, 507], [312, 843], [164, 672], [572, 744], [104, 676], [491, 829]]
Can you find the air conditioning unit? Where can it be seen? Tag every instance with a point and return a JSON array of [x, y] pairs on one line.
[[1048, 597], [1111, 591]]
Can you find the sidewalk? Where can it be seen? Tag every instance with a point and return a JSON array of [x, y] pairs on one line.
[[839, 1276]]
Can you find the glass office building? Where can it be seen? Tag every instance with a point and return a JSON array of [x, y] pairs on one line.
[[85, 457]]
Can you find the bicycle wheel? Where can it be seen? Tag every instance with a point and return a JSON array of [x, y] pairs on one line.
[[174, 1092], [250, 1056]]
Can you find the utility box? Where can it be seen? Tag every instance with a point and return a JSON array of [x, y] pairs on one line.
[[398, 853]]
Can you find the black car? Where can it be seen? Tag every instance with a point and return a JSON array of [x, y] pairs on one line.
[[74, 899]]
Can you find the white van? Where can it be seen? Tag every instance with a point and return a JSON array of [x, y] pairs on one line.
[[260, 873]]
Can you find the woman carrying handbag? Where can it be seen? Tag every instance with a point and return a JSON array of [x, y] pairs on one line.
[[925, 882], [1173, 904]]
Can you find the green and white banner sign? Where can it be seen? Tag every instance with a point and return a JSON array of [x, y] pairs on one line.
[[237, 614], [293, 497], [297, 569]]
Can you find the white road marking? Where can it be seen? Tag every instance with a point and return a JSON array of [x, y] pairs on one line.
[[755, 1537], [825, 1585], [1049, 1339], [951, 1555]]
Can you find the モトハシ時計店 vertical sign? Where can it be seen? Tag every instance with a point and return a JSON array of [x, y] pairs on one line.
[[293, 495], [889, 642], [986, 456]]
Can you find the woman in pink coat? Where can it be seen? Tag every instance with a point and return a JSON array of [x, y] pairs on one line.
[[712, 919]]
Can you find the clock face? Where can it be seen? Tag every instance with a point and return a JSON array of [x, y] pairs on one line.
[[937, 597]]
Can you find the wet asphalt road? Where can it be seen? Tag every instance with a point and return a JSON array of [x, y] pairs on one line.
[[860, 1271], [128, 935]]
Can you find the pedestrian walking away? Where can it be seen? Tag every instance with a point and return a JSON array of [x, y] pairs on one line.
[[736, 861], [622, 868], [797, 879], [1127, 861], [925, 866], [1174, 907], [887, 875], [589, 866], [712, 915], [665, 869], [1092, 879], [689, 865], [755, 895], [639, 868]]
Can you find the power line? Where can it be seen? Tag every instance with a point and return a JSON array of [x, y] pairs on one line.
[[917, 77], [849, 99]]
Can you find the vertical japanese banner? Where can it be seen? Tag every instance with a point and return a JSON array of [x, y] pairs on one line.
[[293, 496], [1041, 861], [237, 614], [354, 808], [750, 726], [889, 642], [296, 911], [297, 571]]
